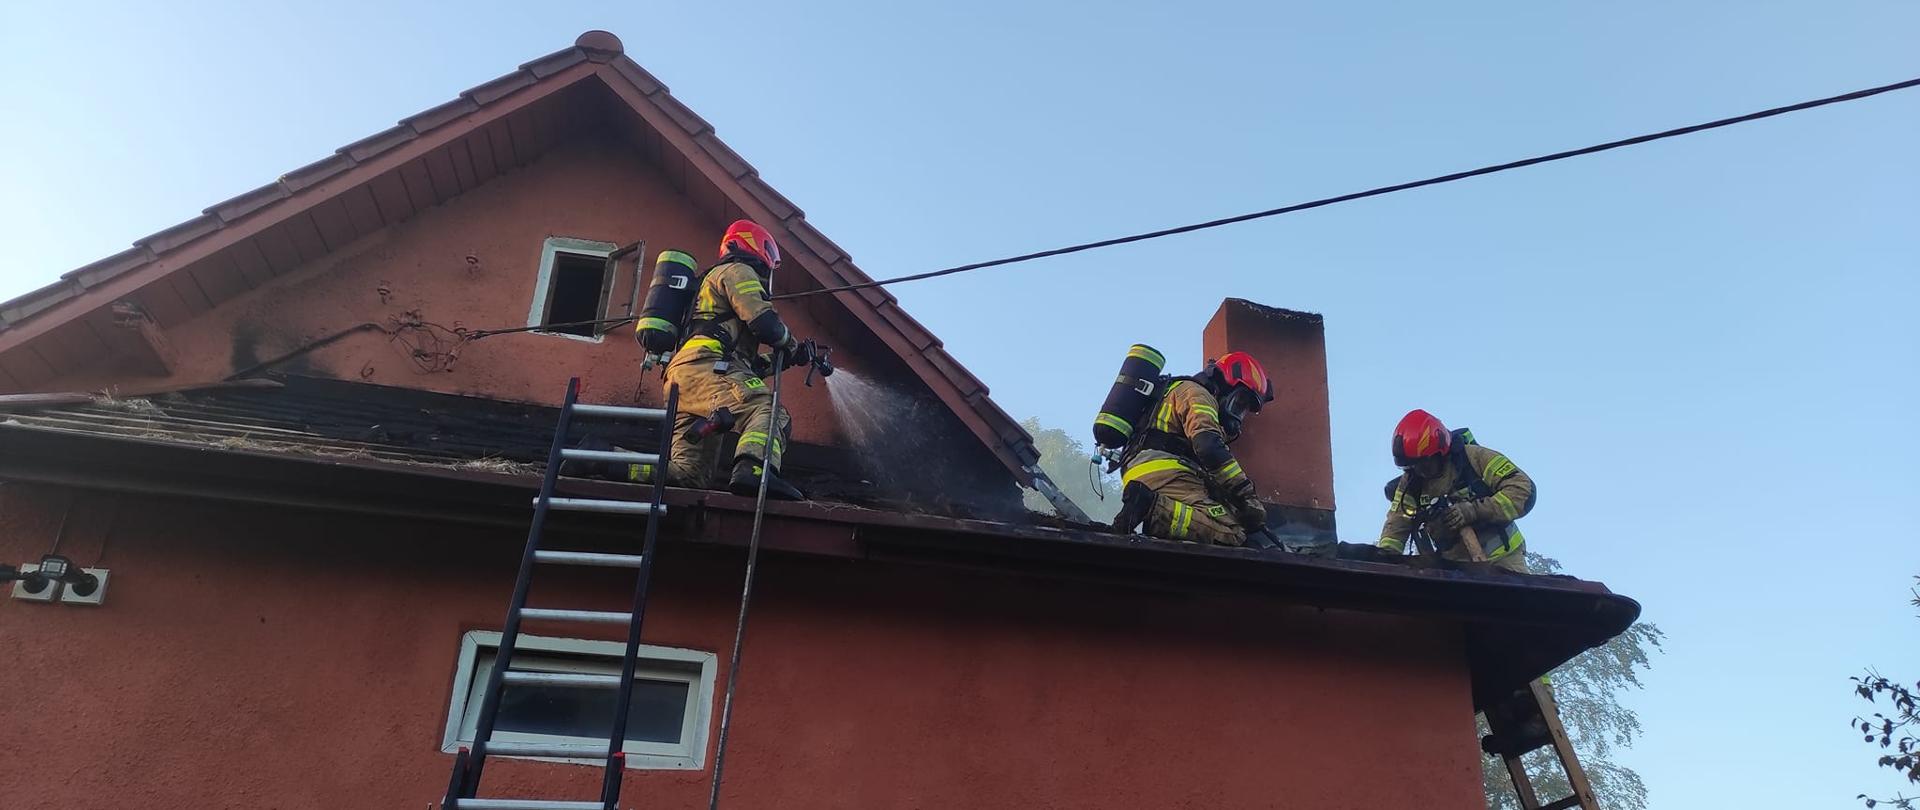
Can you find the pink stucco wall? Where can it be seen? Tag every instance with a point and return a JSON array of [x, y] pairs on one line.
[[252, 657]]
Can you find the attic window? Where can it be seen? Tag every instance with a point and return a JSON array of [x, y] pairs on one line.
[[573, 287]]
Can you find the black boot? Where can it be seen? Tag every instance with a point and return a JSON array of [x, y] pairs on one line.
[[746, 481], [1135, 501]]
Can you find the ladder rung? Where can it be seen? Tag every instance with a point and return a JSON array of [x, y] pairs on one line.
[[521, 804], [526, 749], [618, 412], [1563, 804], [598, 505], [615, 456], [562, 679], [589, 558], [556, 614]]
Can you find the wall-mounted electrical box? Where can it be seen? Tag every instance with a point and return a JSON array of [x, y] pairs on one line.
[[45, 593], [70, 594]]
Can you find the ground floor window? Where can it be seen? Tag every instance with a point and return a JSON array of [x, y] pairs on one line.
[[666, 721]]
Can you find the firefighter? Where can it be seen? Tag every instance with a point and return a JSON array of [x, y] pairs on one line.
[[719, 369], [1178, 474], [1449, 483]]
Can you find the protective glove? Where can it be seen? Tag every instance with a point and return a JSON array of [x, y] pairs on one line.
[[1251, 515], [1461, 515], [800, 354], [1239, 490]]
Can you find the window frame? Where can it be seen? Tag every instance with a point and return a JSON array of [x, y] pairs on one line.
[[696, 668], [543, 284]]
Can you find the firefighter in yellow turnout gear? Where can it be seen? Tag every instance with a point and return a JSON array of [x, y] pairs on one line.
[[715, 367], [1451, 483], [1178, 475]]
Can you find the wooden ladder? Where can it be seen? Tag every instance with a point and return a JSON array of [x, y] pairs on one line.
[[1529, 720]]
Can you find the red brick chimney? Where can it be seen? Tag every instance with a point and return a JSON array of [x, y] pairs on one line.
[[1288, 447]]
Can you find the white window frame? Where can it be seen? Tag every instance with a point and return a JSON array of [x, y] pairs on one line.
[[693, 667], [543, 285]]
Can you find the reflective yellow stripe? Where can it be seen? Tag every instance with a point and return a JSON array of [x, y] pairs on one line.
[[1497, 469], [705, 303], [677, 258], [1150, 467], [1114, 422], [1198, 407], [1163, 421], [1506, 505], [1148, 355], [660, 324], [1512, 544], [705, 343], [753, 437], [748, 287], [1182, 520], [1228, 472], [1396, 546]]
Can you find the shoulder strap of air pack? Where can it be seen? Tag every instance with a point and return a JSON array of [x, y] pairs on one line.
[[1463, 473], [1150, 438]]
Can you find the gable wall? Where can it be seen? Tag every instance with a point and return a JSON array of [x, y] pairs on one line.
[[591, 189]]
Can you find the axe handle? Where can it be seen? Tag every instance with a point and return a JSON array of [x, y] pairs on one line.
[[1472, 541]]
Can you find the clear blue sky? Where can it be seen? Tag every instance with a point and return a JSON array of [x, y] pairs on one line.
[[1703, 350]]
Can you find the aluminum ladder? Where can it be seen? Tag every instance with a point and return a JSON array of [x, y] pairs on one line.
[[470, 761], [1528, 720]]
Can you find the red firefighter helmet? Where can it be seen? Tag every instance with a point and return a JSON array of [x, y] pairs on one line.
[[1241, 386], [1419, 435], [1240, 370], [746, 236]]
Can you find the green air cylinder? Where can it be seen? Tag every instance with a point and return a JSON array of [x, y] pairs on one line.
[[672, 291], [1133, 393]]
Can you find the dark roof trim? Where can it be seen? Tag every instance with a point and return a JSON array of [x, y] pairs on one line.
[[1518, 627]]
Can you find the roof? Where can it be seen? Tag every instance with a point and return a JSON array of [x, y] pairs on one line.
[[323, 419], [362, 448], [425, 159]]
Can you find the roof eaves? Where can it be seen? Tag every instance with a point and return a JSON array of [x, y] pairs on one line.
[[682, 115], [93, 274], [500, 88], [249, 202], [440, 115], [730, 161], [555, 62], [180, 234], [648, 84], [371, 146], [316, 172]]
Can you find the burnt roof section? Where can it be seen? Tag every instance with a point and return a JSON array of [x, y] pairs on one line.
[[384, 177], [306, 447], [334, 419]]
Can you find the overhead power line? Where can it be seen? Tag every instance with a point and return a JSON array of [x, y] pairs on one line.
[[1373, 192]]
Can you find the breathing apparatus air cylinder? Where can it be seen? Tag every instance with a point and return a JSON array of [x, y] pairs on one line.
[[1133, 393], [668, 297]]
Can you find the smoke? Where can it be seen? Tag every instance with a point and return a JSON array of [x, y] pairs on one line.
[[903, 443]]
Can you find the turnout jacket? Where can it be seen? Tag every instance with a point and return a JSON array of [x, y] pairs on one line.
[[1495, 490], [732, 317], [1187, 421]]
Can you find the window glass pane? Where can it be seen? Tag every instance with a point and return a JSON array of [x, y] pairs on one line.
[[657, 713], [573, 292]]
